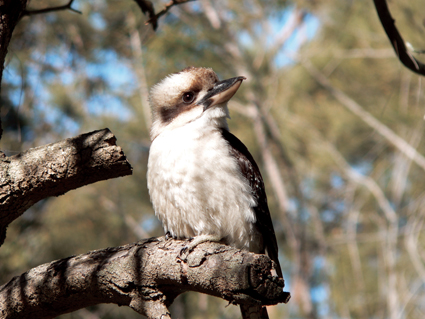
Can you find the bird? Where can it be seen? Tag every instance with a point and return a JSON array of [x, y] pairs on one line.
[[203, 182]]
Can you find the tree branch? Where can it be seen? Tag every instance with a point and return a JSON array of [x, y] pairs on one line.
[[10, 12], [147, 7], [153, 18], [396, 40], [389, 135], [47, 10], [54, 169], [146, 276]]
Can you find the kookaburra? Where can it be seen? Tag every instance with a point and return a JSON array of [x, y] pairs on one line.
[[203, 182]]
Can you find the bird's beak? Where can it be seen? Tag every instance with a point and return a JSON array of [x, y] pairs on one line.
[[221, 92]]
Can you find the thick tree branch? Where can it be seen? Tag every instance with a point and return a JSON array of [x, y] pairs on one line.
[[404, 55], [51, 9], [146, 276], [55, 169]]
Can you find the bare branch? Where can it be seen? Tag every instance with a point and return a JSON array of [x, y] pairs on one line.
[[391, 137], [10, 14], [51, 9], [355, 176], [146, 276], [403, 53], [153, 19], [414, 226], [137, 65], [54, 169], [147, 7], [366, 181]]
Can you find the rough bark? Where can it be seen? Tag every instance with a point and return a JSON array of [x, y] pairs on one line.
[[146, 276], [55, 169]]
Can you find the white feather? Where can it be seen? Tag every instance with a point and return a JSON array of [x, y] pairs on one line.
[[196, 186]]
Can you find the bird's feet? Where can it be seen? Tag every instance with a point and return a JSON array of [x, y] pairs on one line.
[[186, 250], [184, 253]]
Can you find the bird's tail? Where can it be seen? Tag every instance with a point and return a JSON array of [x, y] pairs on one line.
[[273, 256]]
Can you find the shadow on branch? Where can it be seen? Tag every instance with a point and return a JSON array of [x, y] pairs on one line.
[[146, 276]]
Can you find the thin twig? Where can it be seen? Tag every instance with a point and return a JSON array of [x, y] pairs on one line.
[[51, 9], [154, 19], [366, 117]]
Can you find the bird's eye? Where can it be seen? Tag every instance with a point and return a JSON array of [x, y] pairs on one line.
[[188, 97]]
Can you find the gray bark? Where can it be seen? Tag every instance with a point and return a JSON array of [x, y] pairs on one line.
[[146, 276], [54, 169]]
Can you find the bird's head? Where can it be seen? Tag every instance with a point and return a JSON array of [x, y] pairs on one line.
[[189, 95]]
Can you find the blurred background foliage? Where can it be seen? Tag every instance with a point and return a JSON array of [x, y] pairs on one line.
[[347, 203]]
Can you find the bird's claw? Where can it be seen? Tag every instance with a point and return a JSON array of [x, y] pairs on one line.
[[183, 254], [185, 251]]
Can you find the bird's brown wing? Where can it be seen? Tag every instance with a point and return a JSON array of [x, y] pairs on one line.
[[250, 170]]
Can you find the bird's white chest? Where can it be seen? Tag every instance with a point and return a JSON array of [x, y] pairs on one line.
[[196, 186]]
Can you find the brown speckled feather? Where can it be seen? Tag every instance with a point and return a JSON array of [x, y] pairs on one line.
[[250, 170]]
